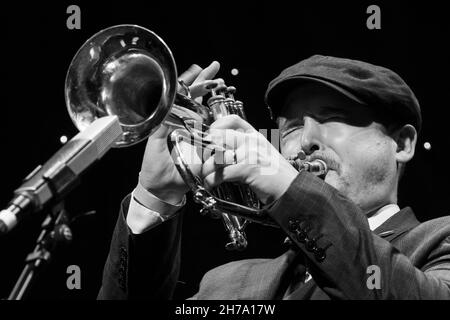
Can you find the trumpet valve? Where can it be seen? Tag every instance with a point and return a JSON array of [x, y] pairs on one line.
[[229, 92], [238, 242]]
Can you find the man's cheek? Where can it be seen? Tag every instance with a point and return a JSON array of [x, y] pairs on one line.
[[378, 170], [349, 172]]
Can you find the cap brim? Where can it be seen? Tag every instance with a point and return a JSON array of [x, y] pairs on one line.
[[276, 95]]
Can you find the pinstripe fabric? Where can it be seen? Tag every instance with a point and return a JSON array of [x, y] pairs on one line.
[[414, 258], [330, 238]]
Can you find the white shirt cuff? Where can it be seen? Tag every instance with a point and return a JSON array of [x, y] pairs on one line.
[[147, 210]]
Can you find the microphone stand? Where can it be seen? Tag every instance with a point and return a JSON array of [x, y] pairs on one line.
[[54, 231]]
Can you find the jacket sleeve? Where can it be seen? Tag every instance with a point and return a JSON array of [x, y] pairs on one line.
[[342, 252], [142, 266]]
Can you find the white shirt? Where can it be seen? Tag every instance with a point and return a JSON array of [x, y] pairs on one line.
[[147, 210], [382, 215]]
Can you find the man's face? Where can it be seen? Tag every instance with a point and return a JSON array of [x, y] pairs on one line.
[[359, 153]]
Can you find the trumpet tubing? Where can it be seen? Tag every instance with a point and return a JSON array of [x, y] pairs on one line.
[[128, 71]]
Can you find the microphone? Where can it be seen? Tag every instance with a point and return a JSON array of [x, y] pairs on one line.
[[59, 174]]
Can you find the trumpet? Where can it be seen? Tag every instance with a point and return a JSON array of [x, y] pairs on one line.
[[128, 71]]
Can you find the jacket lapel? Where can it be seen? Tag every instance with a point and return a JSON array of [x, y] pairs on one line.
[[391, 229], [398, 224]]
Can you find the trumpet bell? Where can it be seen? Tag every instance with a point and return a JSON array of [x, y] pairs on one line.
[[127, 71]]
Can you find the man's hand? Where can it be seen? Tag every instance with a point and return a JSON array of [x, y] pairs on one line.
[[250, 159], [158, 172]]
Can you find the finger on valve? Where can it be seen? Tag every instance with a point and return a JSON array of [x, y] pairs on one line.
[[202, 88]]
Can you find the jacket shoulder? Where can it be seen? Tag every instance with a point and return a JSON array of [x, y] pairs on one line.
[[437, 226], [429, 238]]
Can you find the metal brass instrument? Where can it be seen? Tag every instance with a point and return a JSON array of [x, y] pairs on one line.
[[128, 71]]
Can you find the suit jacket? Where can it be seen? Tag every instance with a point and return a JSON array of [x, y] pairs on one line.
[[331, 240]]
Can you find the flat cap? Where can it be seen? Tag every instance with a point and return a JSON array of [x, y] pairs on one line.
[[375, 86]]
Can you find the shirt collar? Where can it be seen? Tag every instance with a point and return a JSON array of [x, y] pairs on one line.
[[382, 215]]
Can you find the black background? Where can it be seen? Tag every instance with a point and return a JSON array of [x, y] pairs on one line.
[[259, 39]]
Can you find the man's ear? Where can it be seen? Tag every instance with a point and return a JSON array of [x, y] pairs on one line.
[[406, 138]]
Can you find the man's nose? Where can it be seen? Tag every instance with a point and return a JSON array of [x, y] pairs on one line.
[[311, 139]]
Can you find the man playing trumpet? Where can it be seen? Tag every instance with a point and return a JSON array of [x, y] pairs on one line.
[[362, 121]]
